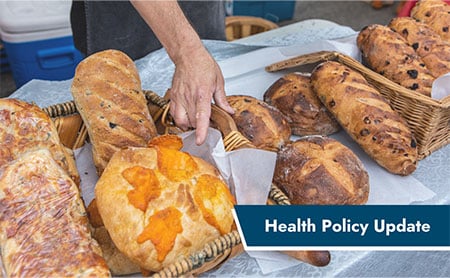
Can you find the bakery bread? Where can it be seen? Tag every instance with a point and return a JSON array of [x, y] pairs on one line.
[[432, 49], [387, 53], [366, 116], [317, 170], [25, 127], [434, 13], [293, 96], [172, 204], [107, 92], [262, 124], [44, 231]]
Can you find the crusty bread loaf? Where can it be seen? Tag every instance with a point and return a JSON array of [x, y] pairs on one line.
[[171, 204], [434, 51], [107, 92], [434, 13], [25, 127], [293, 96], [43, 226], [319, 170], [264, 125], [388, 53], [366, 116]]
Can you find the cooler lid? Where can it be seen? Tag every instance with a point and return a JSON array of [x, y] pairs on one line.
[[27, 16]]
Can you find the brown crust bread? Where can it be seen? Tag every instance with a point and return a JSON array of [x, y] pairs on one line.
[[172, 204], [293, 96], [316, 258], [107, 92], [434, 51], [44, 230], [264, 125], [434, 13], [387, 53], [366, 116], [317, 170], [25, 127]]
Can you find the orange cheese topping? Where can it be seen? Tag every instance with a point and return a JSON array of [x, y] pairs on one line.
[[162, 230], [210, 193], [170, 141], [146, 186], [175, 165]]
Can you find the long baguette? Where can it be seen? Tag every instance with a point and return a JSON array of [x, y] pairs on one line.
[[366, 116]]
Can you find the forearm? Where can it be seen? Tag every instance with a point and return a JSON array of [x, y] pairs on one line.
[[167, 21]]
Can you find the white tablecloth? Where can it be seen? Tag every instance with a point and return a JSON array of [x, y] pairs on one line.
[[434, 171]]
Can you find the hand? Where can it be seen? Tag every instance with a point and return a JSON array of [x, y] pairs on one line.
[[196, 81]]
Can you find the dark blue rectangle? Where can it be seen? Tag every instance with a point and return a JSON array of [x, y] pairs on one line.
[[386, 225]]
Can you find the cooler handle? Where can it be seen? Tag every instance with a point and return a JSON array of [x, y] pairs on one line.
[[57, 57]]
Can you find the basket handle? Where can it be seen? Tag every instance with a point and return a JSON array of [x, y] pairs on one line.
[[302, 60]]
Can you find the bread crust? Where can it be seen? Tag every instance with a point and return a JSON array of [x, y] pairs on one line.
[[388, 54], [293, 96], [175, 204], [107, 92], [366, 116], [434, 51], [434, 13], [44, 228], [25, 127], [318, 170], [263, 124]]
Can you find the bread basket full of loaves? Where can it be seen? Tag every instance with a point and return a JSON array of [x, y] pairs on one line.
[[157, 210]]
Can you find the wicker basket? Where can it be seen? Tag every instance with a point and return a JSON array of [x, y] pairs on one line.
[[73, 134], [237, 27], [428, 119]]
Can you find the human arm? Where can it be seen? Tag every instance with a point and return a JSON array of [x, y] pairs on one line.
[[197, 78]]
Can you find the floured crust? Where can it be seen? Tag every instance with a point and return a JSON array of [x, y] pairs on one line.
[[320, 170], [44, 228], [434, 13], [182, 204], [293, 96]]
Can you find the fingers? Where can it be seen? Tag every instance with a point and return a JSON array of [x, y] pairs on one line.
[[203, 113], [221, 101], [180, 115]]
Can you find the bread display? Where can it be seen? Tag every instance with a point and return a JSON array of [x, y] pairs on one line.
[[264, 125], [432, 49], [44, 230], [366, 116], [172, 204], [293, 96], [319, 170], [387, 53], [434, 13], [107, 92], [25, 127]]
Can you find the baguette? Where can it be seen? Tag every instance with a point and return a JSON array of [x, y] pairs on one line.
[[366, 116], [434, 51], [44, 231], [316, 258], [388, 53], [434, 13], [107, 92]]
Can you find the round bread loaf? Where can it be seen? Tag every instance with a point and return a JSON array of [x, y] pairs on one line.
[[159, 204], [293, 96], [317, 170], [264, 125]]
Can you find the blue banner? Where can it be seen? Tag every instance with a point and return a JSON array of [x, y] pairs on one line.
[[389, 227]]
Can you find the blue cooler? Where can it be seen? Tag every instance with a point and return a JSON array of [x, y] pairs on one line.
[[274, 10], [37, 39]]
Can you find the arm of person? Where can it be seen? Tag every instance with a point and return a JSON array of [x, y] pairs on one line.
[[197, 78]]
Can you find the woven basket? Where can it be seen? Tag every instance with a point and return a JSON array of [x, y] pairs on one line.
[[237, 27], [428, 119], [73, 134]]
